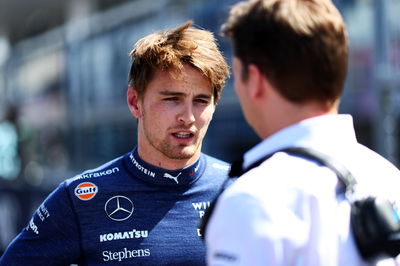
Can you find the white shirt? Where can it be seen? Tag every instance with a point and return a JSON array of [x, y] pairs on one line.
[[286, 211]]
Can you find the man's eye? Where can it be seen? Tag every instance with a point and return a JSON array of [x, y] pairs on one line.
[[203, 101], [171, 99]]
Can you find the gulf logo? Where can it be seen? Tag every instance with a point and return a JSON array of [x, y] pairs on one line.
[[86, 191]]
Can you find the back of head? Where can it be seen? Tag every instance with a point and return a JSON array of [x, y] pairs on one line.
[[170, 49], [300, 45]]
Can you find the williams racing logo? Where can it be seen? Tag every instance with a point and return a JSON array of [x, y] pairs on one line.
[[86, 191]]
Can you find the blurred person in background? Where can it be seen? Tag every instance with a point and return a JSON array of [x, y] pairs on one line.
[[290, 63], [143, 207], [10, 168], [10, 164]]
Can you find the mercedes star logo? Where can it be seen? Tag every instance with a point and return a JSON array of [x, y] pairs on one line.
[[119, 208]]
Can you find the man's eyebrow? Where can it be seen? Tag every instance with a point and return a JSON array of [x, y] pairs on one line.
[[173, 93], [207, 96]]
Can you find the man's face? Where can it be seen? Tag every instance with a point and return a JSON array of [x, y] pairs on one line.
[[173, 116]]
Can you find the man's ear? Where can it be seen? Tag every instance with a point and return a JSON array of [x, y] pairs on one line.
[[255, 82], [132, 97]]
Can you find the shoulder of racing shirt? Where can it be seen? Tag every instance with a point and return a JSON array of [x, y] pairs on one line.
[[108, 169], [217, 164]]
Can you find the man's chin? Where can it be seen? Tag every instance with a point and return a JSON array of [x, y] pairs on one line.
[[183, 154]]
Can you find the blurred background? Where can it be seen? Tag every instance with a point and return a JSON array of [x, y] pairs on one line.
[[63, 80]]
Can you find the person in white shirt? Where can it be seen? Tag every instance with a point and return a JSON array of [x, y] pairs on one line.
[[290, 62]]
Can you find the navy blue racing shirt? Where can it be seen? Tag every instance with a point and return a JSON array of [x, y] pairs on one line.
[[124, 212]]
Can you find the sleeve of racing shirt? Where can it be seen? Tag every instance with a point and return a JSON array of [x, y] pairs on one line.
[[52, 236], [243, 231]]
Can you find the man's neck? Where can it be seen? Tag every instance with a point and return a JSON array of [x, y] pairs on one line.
[[158, 159], [291, 114]]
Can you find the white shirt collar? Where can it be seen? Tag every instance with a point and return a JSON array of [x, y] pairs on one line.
[[318, 132]]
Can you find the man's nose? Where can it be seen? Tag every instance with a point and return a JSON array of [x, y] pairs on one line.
[[186, 115]]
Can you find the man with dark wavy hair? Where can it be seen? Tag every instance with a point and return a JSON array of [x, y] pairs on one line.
[[143, 207]]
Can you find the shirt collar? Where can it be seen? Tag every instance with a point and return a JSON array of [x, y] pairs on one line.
[[163, 177], [317, 132]]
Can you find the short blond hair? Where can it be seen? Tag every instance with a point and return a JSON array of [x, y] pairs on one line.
[[171, 49]]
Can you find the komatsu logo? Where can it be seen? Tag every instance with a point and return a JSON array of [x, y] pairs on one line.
[[86, 191], [124, 235]]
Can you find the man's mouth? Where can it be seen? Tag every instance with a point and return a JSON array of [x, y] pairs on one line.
[[183, 135]]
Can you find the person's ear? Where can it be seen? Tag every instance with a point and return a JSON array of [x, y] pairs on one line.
[[255, 82], [132, 97]]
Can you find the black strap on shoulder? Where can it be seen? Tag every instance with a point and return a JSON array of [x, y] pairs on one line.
[[236, 171], [340, 170]]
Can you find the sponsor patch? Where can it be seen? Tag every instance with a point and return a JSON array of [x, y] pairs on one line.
[[124, 254], [86, 191], [119, 208], [175, 178], [221, 166], [97, 174], [33, 226], [124, 235], [141, 168]]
